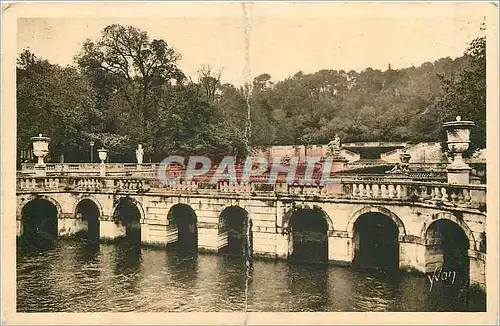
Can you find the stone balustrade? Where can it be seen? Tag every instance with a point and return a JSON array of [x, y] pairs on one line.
[[89, 184], [131, 185], [87, 169], [435, 193]]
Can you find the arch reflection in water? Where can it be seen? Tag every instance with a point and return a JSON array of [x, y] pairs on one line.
[[375, 242], [127, 261], [182, 267], [124, 279], [39, 225], [309, 293]]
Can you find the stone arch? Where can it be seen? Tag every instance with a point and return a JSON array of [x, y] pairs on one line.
[[88, 197], [20, 208], [307, 228], [182, 225], [375, 209], [224, 208], [134, 201], [376, 234], [39, 221], [451, 217], [289, 213], [181, 204], [235, 231]]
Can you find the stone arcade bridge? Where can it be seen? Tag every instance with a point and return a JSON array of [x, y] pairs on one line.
[[417, 225]]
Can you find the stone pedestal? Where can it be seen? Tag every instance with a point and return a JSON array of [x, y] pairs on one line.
[[40, 171], [103, 155], [339, 163], [102, 170], [459, 176]]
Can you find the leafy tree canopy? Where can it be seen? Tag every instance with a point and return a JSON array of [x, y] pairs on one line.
[[126, 88]]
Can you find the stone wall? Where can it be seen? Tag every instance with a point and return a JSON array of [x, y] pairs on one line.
[[269, 224]]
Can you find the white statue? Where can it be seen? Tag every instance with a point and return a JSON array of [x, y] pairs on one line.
[[139, 153], [337, 141], [334, 146]]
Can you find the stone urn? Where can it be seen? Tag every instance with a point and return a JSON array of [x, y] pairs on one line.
[[40, 149], [458, 140], [103, 155]]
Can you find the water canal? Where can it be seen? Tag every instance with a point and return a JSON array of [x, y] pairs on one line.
[[81, 276]]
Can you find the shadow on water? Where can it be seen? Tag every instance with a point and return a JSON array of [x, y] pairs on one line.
[[231, 283], [308, 285], [454, 297], [182, 264], [26, 245], [123, 276], [127, 257], [87, 248]]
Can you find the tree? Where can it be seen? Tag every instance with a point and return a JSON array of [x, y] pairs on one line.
[[135, 64], [209, 82], [187, 125], [465, 95], [57, 102]]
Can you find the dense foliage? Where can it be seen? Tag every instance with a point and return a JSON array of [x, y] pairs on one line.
[[126, 89]]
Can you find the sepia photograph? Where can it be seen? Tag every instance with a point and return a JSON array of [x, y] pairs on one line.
[[249, 160]]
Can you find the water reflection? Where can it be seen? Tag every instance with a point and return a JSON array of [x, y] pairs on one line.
[[182, 265], [79, 276], [308, 287]]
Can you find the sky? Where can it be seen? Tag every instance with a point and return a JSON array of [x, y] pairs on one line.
[[283, 38]]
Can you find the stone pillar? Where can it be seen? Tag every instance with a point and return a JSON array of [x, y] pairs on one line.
[[282, 246], [67, 227], [145, 234], [458, 135], [208, 239], [477, 268], [411, 254], [339, 249], [19, 228], [109, 230]]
